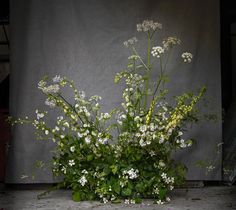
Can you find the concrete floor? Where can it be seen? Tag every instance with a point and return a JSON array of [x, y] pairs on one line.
[[207, 198]]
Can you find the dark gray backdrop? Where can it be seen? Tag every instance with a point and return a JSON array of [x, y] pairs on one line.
[[83, 40]]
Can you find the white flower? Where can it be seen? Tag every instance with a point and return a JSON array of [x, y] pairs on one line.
[[79, 135], [72, 149], [71, 162], [159, 202], [41, 84], [148, 25], [167, 199], [51, 103], [84, 171], [169, 42], [63, 169], [161, 164], [142, 143], [104, 200], [187, 57], [66, 124], [51, 89], [82, 94], [157, 51], [46, 132], [130, 42], [57, 79], [62, 136], [143, 128], [210, 168], [162, 139], [152, 153], [39, 115], [126, 201], [87, 139], [132, 173], [83, 180]]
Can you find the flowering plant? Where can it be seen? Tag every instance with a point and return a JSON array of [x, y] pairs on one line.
[[130, 158]]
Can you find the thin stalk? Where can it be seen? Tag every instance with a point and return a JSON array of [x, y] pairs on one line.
[[148, 71], [70, 107]]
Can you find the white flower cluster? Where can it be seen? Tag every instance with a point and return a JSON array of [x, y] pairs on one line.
[[40, 115], [148, 25], [169, 42], [133, 57], [130, 42], [50, 102], [129, 201], [82, 110], [210, 168], [51, 89], [157, 51], [131, 174], [187, 57], [134, 80], [83, 180], [57, 79], [102, 139], [104, 116], [146, 133], [167, 180]]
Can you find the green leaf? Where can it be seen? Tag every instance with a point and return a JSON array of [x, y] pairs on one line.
[[127, 192], [138, 200], [162, 193], [76, 196], [117, 201], [89, 157], [116, 187], [114, 169]]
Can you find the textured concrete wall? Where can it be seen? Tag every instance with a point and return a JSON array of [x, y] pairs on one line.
[[84, 41]]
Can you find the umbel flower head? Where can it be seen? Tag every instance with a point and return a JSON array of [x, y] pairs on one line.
[[148, 25], [157, 51], [187, 57]]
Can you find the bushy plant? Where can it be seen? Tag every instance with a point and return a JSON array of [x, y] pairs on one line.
[[133, 161]]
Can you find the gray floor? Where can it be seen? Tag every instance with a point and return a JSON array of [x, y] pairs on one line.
[[209, 198]]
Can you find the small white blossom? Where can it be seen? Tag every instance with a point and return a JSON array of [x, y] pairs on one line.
[[132, 173], [87, 139], [83, 180], [159, 202], [57, 79], [157, 51], [84, 171], [104, 200], [46, 132], [82, 94], [71, 162], [187, 57], [39, 115], [143, 128], [63, 169], [130, 42], [72, 149]]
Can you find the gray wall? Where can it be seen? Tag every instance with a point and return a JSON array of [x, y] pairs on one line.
[[84, 41]]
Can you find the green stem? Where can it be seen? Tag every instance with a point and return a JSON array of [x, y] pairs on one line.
[[148, 70]]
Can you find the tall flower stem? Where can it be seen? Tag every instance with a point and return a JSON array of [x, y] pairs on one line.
[[148, 70]]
